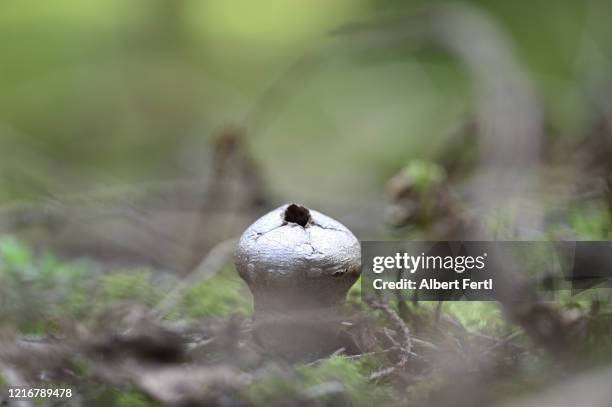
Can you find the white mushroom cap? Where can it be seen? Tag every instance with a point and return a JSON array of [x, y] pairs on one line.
[[301, 251]]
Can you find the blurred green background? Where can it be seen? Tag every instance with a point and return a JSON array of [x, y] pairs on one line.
[[105, 93]]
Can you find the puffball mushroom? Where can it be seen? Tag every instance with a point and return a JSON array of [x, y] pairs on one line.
[[299, 265]]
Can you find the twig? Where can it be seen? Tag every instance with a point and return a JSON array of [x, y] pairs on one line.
[[504, 341], [404, 345], [208, 267], [337, 352], [379, 374]]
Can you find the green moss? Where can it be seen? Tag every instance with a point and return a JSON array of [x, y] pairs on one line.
[[100, 395], [593, 224], [133, 399], [224, 294], [479, 316], [127, 286], [271, 391], [36, 290], [14, 255], [591, 221], [69, 282], [354, 295], [335, 368], [424, 174], [350, 375], [33, 288]]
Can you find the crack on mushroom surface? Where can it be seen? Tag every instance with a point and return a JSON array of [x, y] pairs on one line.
[[260, 234], [330, 228]]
